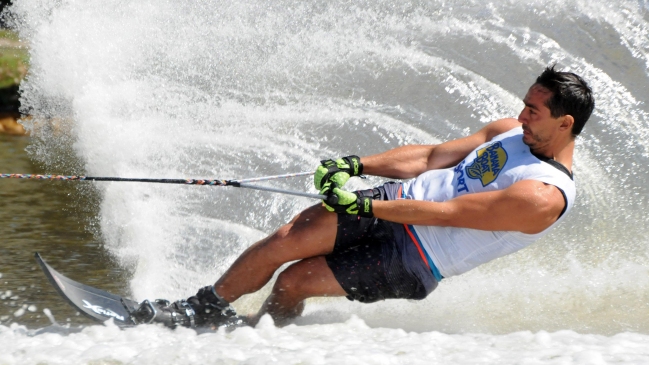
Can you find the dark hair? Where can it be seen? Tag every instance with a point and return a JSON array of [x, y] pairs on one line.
[[571, 95]]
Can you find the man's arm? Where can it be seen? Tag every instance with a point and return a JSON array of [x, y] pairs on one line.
[[527, 206], [411, 161]]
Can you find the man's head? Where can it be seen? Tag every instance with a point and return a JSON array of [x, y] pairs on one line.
[[571, 95]]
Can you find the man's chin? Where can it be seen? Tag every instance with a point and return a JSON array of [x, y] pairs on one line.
[[528, 141]]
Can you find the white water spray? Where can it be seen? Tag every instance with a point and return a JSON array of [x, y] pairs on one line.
[[233, 90]]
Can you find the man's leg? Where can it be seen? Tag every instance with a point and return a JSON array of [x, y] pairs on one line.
[[311, 233], [305, 279]]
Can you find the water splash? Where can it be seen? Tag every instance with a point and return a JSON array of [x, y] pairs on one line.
[[231, 90]]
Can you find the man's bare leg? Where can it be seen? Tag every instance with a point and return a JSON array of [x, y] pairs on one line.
[[307, 278], [311, 233]]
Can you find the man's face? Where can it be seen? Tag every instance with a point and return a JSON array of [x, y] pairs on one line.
[[539, 127]]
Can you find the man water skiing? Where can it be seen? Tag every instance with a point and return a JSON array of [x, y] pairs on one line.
[[468, 201]]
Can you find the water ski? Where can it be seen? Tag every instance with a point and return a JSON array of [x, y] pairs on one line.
[[94, 303], [101, 305]]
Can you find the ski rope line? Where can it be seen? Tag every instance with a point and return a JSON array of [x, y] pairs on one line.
[[255, 179], [92, 178], [243, 183], [177, 181]]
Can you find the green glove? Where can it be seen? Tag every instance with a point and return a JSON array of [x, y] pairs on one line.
[[338, 171], [340, 201]]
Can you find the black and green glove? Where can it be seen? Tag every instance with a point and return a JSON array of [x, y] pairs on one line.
[[337, 172], [346, 202]]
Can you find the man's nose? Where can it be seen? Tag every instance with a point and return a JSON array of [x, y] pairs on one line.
[[522, 117]]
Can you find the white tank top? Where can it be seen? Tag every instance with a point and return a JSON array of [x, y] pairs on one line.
[[494, 165]]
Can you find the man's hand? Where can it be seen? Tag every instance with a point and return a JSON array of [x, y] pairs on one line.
[[340, 201], [337, 172]]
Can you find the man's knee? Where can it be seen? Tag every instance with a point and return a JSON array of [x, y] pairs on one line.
[[307, 278], [289, 283]]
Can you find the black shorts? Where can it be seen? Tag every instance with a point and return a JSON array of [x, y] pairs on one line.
[[375, 259]]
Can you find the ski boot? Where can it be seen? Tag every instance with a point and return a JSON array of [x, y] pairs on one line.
[[205, 309]]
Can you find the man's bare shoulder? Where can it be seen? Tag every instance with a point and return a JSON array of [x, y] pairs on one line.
[[541, 204]]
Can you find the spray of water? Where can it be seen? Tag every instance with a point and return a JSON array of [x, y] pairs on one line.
[[232, 90]]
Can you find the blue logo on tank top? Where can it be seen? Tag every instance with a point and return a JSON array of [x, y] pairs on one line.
[[461, 182], [490, 161]]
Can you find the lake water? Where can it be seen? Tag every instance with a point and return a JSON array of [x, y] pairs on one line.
[[210, 89]]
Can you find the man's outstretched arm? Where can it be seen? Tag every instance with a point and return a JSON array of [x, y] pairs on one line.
[[527, 206], [411, 161]]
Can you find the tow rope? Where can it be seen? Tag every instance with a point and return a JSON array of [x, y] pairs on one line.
[[241, 183]]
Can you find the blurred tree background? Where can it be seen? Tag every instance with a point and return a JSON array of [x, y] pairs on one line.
[[14, 63], [3, 5]]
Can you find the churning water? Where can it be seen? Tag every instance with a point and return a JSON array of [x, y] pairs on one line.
[[219, 89]]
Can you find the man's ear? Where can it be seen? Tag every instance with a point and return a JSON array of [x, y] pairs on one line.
[[567, 121]]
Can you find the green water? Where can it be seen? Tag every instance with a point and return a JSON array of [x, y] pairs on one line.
[[54, 218]]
